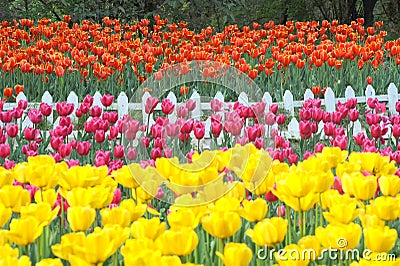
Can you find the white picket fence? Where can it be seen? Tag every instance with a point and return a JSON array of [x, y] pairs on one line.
[[123, 106]]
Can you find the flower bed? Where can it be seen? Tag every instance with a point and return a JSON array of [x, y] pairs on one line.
[[82, 214], [110, 57]]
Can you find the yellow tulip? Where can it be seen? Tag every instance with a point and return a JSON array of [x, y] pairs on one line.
[[298, 204], [333, 155], [339, 236], [268, 232], [124, 177], [117, 215], [7, 251], [134, 245], [69, 242], [143, 257], [41, 211], [311, 243], [370, 220], [11, 261], [170, 261], [6, 177], [329, 198], [80, 218], [147, 228], [221, 224], [49, 262], [19, 172], [236, 254], [183, 217], [254, 211], [135, 211], [344, 212], [360, 186], [237, 191], [49, 196], [98, 247], [5, 215], [385, 207], [180, 242], [14, 197], [292, 255], [380, 239], [83, 176], [24, 231], [40, 164], [117, 233], [374, 163], [389, 185]]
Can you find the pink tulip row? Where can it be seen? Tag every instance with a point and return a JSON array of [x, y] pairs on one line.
[[100, 137]]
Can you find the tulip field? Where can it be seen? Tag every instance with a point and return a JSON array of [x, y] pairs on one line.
[[83, 184]]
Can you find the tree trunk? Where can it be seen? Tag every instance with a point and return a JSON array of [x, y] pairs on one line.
[[369, 6]]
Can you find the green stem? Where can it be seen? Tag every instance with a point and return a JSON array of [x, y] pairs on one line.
[[220, 248]]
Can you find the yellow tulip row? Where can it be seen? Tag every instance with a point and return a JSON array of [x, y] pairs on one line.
[[92, 233]]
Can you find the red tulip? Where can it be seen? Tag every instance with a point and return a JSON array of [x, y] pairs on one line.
[[107, 100], [64, 109], [64, 150], [216, 128]]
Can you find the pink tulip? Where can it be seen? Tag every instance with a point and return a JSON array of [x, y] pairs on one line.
[[102, 158], [183, 112], [131, 154], [172, 130], [280, 119], [107, 100], [95, 111], [305, 114], [167, 107], [307, 154], [4, 150], [45, 109], [305, 129], [270, 118], [216, 105], [117, 196], [64, 109], [112, 117], [191, 105], [88, 100], [64, 150], [216, 128], [341, 142], [119, 151], [372, 119], [280, 211], [30, 133], [168, 153], [353, 115], [22, 104], [99, 136], [319, 147], [156, 130], [242, 140], [6, 117], [8, 164], [12, 130], [113, 133], [259, 143], [156, 153], [293, 158], [55, 142], [150, 105], [160, 193], [273, 108], [145, 141]]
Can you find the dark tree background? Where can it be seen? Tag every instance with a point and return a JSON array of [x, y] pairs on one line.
[[216, 13]]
